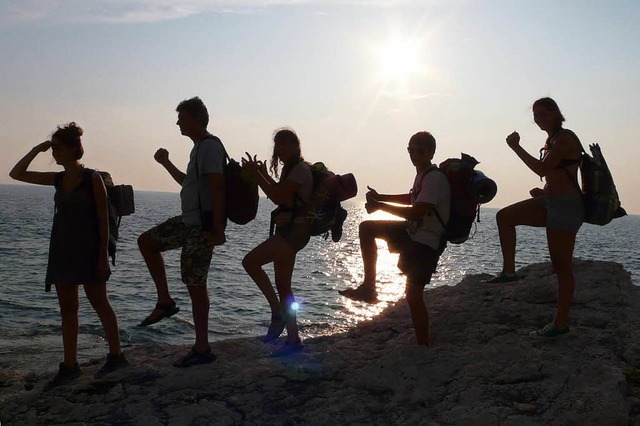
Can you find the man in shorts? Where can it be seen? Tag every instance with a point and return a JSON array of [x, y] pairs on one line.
[[197, 230], [418, 239]]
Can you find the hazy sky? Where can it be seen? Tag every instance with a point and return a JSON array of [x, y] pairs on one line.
[[354, 78]]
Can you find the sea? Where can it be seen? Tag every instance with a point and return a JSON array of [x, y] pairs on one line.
[[29, 317]]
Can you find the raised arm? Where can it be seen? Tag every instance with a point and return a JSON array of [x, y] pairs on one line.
[[19, 171], [563, 147], [162, 157], [283, 193]]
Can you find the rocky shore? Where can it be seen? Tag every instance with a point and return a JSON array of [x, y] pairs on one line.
[[483, 368]]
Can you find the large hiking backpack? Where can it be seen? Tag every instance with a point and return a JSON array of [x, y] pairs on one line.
[[329, 189], [241, 193], [323, 212], [120, 202], [469, 189], [599, 194]]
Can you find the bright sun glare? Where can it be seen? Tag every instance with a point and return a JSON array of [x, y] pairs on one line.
[[399, 59]]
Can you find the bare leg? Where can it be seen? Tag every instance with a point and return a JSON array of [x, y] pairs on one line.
[[155, 263], [253, 262], [561, 245], [529, 212], [68, 300], [419, 314], [370, 230], [97, 295], [200, 306], [283, 268]]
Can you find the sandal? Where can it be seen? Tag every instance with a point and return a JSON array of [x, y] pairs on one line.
[[65, 375], [361, 294], [504, 278], [194, 358], [166, 311]]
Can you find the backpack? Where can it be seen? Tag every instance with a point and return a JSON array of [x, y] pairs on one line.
[[241, 193], [329, 189], [120, 202], [323, 210], [599, 195], [469, 189]]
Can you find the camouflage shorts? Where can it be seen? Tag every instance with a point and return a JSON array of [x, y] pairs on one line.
[[196, 249]]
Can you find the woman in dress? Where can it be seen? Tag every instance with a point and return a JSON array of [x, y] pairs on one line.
[[78, 250], [290, 193]]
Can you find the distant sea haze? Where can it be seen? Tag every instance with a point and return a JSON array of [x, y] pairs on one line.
[[30, 316]]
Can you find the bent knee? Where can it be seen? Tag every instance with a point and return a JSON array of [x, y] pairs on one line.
[[147, 243]]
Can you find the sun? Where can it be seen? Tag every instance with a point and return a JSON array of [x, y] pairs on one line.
[[399, 58]]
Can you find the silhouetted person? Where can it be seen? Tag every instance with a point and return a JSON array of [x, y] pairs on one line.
[[78, 251], [558, 207], [197, 230], [292, 232], [418, 238]]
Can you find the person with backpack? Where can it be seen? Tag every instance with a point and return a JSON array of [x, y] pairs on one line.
[[292, 233], [418, 239], [558, 207], [199, 228], [78, 252]]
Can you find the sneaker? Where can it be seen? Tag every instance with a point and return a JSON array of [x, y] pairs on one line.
[[504, 278], [194, 358], [65, 375], [276, 328], [114, 362], [361, 294], [550, 330]]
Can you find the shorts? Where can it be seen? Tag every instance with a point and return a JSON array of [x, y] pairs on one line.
[[296, 235], [195, 258], [417, 261], [564, 212]]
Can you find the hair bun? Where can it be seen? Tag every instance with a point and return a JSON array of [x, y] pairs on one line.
[[74, 129]]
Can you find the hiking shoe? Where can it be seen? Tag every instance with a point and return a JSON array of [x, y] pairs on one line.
[[114, 362], [289, 348], [504, 278], [550, 330], [194, 358], [336, 229], [65, 375], [361, 294]]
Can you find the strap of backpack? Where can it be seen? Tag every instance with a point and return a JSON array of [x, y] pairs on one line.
[[433, 168]]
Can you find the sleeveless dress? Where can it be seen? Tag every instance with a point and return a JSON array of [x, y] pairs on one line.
[[73, 249]]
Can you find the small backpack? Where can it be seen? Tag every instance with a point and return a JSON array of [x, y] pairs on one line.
[[241, 193], [599, 195], [120, 202], [469, 189]]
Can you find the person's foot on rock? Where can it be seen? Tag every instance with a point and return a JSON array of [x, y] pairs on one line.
[[113, 363], [65, 375], [550, 330], [503, 277], [276, 328], [290, 347], [361, 293], [194, 358]]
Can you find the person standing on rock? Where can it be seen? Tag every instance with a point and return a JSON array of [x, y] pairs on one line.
[[199, 228], [78, 251], [418, 238], [558, 208], [292, 233]]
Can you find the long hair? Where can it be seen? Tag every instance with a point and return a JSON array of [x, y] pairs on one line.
[[550, 105], [285, 135], [69, 136]]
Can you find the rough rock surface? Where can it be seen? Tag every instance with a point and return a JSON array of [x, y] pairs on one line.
[[483, 368]]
